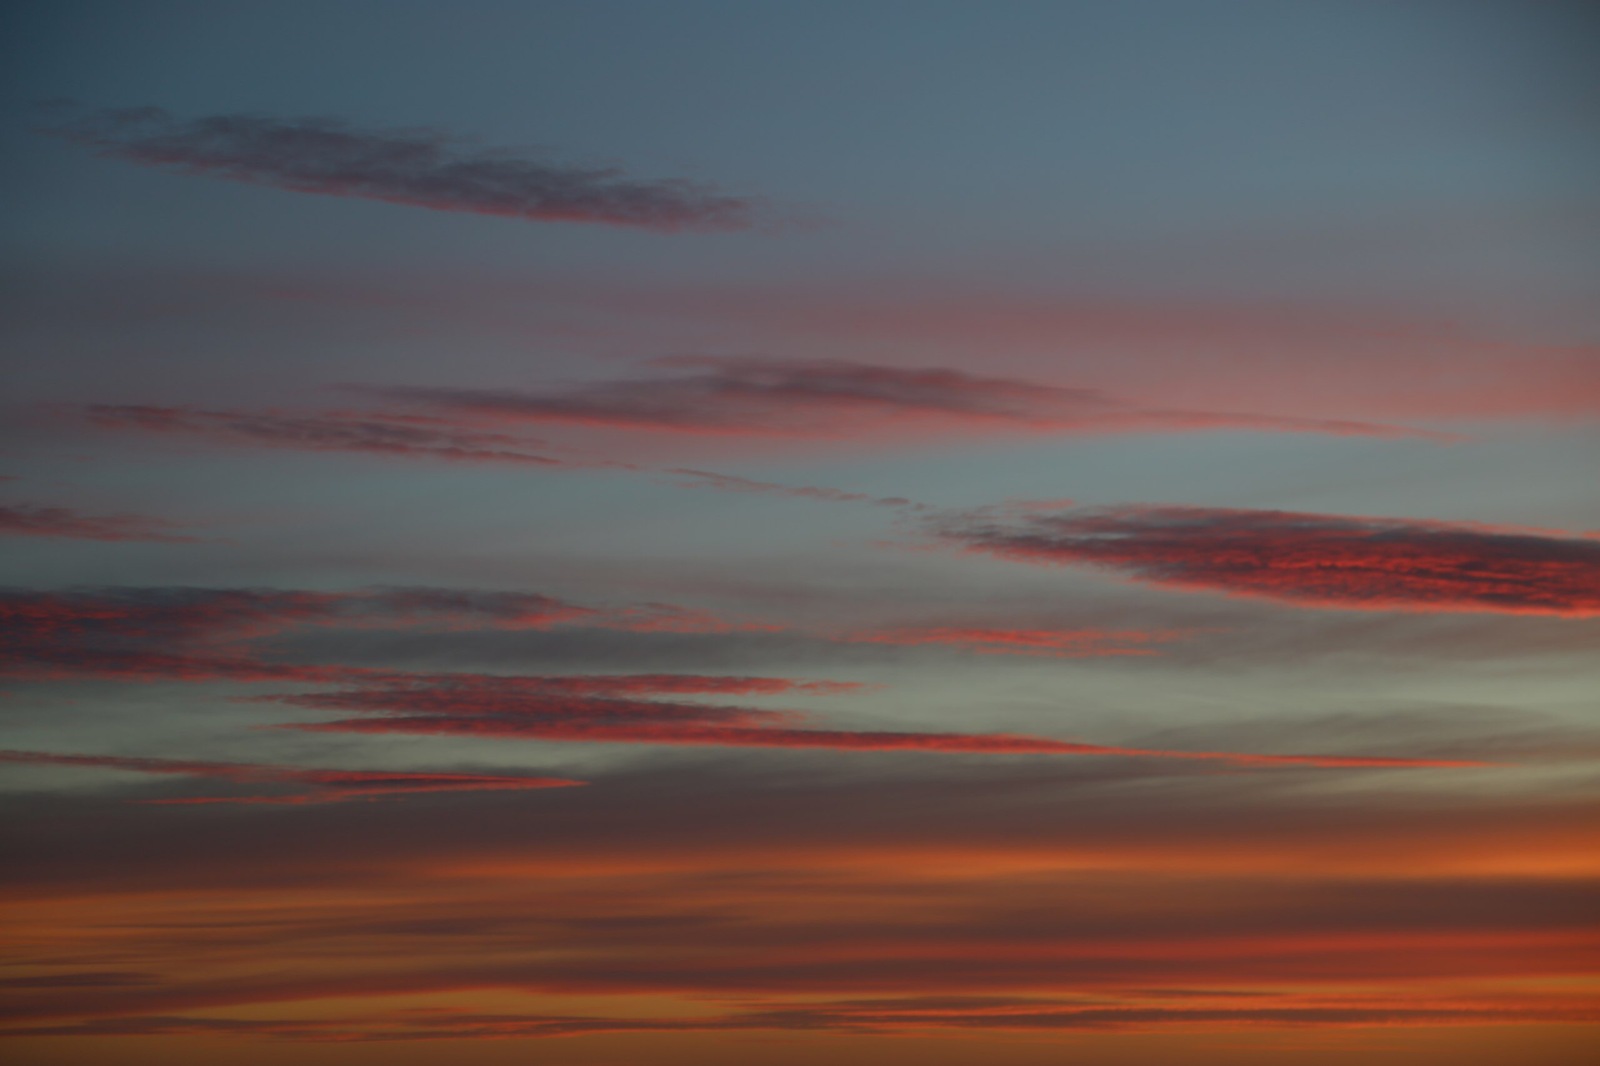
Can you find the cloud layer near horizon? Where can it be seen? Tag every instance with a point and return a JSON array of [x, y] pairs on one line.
[[315, 786], [419, 168], [1030, 898]]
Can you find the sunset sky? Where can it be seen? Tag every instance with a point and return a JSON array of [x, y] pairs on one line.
[[704, 533]]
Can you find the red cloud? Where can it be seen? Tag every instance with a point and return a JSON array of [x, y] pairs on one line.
[[548, 709], [319, 786], [26, 521], [1314, 559]]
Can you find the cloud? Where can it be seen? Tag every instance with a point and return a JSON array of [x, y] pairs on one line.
[[690, 811], [731, 483], [1312, 559], [940, 896], [1451, 730], [200, 634], [877, 1017], [419, 168], [408, 435], [609, 685], [732, 395], [375, 432], [552, 709], [214, 615], [1057, 643], [27, 521], [316, 786], [209, 634]]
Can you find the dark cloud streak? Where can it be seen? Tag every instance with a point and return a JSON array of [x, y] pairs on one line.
[[375, 432], [63, 522], [419, 168], [737, 395]]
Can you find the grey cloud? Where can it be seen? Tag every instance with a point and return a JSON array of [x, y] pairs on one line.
[[421, 168]]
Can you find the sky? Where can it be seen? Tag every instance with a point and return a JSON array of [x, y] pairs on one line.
[[649, 533]]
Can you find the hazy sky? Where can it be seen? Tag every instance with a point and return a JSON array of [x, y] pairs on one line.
[[670, 533]]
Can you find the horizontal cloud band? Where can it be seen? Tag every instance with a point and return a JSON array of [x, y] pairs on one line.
[[1312, 559]]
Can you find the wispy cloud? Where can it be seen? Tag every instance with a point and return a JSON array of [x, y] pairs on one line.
[[707, 394], [21, 520], [420, 168], [408, 435], [732, 483], [314, 786], [209, 635], [377, 432], [1313, 559], [529, 708], [989, 640], [200, 634]]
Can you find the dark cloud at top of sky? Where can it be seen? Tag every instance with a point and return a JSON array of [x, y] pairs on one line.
[[421, 168]]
